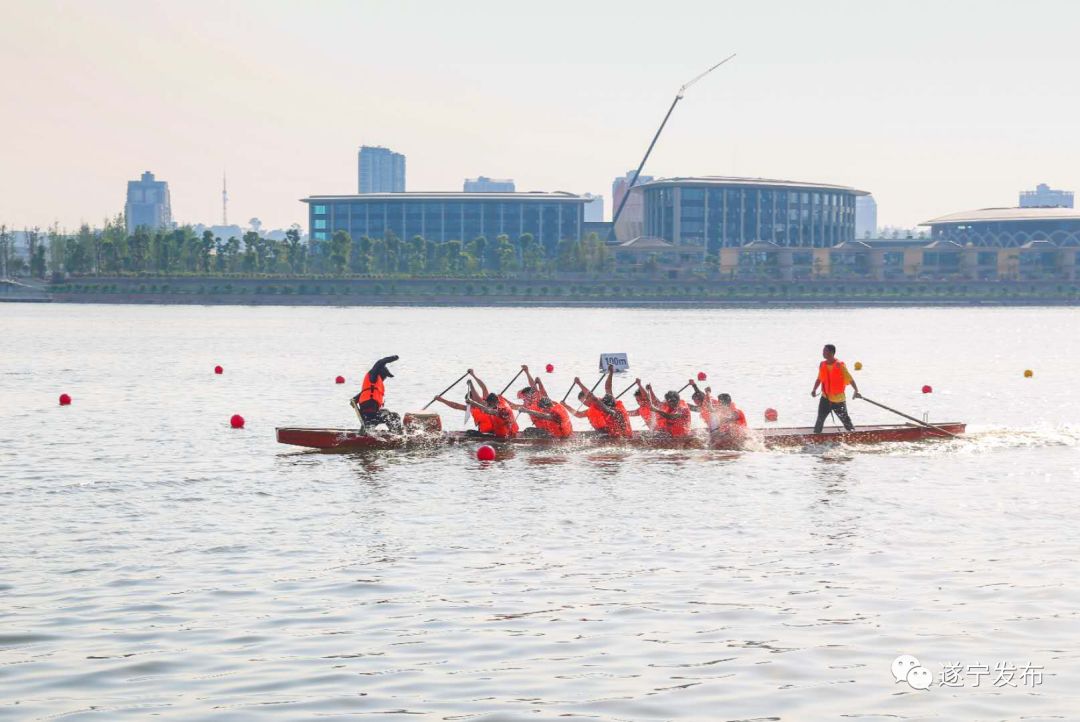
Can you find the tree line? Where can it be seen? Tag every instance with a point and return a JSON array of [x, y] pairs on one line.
[[110, 250]]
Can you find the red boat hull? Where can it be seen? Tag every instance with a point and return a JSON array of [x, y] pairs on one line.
[[352, 440], [803, 436]]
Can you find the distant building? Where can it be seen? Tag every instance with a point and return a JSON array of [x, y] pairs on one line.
[[621, 186], [483, 184], [722, 212], [594, 208], [147, 204], [865, 217], [1046, 197], [380, 170], [1009, 227], [548, 217]]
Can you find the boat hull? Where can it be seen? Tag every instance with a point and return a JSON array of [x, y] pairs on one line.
[[353, 440], [882, 433]]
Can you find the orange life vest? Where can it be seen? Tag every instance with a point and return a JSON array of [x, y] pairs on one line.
[[503, 423], [482, 420], [677, 427], [597, 417], [617, 421], [730, 432], [646, 415], [732, 416], [561, 427], [371, 392], [832, 379], [705, 409]]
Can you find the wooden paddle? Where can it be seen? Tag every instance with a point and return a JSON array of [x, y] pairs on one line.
[[911, 418], [621, 393], [443, 392], [520, 371]]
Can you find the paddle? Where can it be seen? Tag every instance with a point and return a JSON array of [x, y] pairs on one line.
[[632, 385], [910, 418], [444, 391], [572, 384], [684, 388], [520, 371]]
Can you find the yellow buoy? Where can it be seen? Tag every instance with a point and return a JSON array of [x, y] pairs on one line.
[[1028, 373], [858, 365]]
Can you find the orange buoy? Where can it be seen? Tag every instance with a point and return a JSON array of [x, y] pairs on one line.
[[858, 365], [771, 414], [237, 421], [218, 370], [339, 380], [701, 376], [65, 400], [928, 389], [485, 453], [549, 368], [1028, 373]]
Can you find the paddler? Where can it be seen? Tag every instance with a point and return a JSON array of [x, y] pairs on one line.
[[832, 377], [499, 413], [728, 428], [672, 416], [702, 402], [645, 400], [549, 419], [606, 415], [369, 402], [479, 419]]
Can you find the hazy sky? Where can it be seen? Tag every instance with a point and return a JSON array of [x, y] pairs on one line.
[[933, 106]]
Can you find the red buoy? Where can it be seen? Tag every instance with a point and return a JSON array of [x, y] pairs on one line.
[[928, 389], [549, 368], [701, 376], [771, 414], [339, 380], [65, 400], [237, 421], [485, 453], [218, 370]]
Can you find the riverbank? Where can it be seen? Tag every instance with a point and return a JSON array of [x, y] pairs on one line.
[[573, 292]]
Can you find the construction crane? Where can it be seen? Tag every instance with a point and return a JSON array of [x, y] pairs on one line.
[[633, 181]]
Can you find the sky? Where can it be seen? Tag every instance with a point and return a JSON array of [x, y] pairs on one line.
[[934, 107]]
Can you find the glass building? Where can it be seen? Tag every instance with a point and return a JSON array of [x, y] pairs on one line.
[[1008, 227], [549, 217], [721, 212], [148, 205], [380, 170]]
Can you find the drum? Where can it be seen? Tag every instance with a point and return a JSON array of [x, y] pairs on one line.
[[422, 421]]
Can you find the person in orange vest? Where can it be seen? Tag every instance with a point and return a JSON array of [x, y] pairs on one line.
[[727, 428], [499, 412], [702, 402], [369, 402], [832, 377], [549, 419], [673, 416], [607, 415], [645, 400], [479, 419]]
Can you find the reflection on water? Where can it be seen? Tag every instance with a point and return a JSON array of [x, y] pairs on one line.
[[153, 562]]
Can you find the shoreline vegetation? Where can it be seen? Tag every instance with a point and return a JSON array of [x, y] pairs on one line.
[[558, 290], [178, 266]]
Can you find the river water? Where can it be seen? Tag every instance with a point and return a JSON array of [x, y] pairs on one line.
[[155, 563]]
